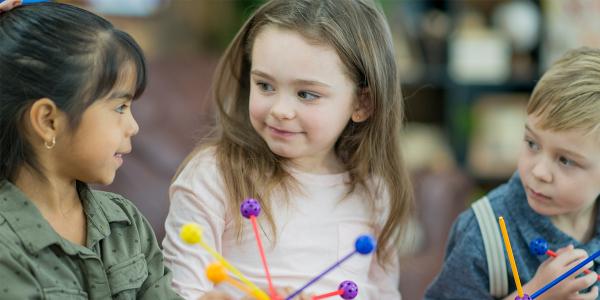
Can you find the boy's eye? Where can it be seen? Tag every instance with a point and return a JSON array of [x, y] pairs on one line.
[[265, 87], [532, 145], [566, 162], [307, 95]]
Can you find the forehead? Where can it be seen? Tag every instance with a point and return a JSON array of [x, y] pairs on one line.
[[127, 78], [287, 53]]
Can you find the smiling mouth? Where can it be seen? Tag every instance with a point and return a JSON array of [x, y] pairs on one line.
[[119, 158], [281, 132]]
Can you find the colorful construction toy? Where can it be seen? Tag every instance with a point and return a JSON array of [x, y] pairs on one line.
[[538, 247], [217, 272]]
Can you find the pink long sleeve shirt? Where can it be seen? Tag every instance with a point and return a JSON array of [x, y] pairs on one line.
[[314, 230]]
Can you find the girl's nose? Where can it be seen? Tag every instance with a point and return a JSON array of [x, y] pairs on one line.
[[134, 128], [283, 109]]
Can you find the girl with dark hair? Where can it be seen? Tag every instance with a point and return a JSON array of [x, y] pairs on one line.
[[67, 82]]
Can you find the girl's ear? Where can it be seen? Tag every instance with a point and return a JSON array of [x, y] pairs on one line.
[[46, 120], [364, 106]]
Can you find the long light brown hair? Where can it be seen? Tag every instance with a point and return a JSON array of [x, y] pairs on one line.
[[370, 149]]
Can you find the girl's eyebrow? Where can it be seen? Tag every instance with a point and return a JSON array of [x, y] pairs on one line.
[[298, 81], [121, 95]]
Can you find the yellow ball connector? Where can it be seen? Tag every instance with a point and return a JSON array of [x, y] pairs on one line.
[[191, 233]]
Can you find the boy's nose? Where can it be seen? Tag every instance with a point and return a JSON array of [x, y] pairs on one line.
[[541, 171]]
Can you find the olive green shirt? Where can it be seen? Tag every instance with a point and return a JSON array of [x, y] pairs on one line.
[[122, 259]]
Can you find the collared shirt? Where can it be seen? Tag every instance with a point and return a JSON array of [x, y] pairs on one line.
[[121, 259], [465, 272]]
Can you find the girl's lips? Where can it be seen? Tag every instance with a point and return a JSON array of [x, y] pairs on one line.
[[280, 132], [119, 158]]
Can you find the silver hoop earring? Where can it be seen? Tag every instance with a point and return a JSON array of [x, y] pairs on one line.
[[51, 144]]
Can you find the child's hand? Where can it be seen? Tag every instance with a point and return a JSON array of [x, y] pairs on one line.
[[9, 4], [216, 295], [566, 258]]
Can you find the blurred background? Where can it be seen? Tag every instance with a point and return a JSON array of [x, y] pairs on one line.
[[467, 70]]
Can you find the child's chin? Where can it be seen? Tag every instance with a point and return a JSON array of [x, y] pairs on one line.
[[281, 151], [104, 181], [538, 208]]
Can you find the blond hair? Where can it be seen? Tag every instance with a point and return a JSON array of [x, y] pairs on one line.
[[567, 96], [361, 37]]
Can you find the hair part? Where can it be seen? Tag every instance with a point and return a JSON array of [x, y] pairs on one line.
[[567, 97], [63, 53], [359, 33]]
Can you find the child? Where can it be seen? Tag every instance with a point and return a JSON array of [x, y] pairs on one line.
[[552, 196], [310, 111], [67, 79]]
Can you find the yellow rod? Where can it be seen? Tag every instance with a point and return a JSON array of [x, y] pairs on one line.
[[260, 293], [511, 258]]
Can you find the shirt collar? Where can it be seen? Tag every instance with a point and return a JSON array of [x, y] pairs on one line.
[[36, 233], [101, 209]]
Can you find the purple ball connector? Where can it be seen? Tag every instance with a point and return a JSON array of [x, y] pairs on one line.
[[250, 207]]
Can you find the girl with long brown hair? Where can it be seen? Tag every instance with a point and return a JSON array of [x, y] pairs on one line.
[[309, 116]]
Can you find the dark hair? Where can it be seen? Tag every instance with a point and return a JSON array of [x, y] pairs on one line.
[[60, 52]]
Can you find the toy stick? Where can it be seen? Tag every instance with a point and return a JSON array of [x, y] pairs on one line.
[[250, 209], [511, 258], [539, 246], [365, 244], [192, 234], [565, 275], [346, 290], [327, 295], [217, 274]]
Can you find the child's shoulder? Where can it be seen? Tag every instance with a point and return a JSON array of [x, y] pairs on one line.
[[201, 162], [505, 198], [205, 156], [502, 200], [465, 223]]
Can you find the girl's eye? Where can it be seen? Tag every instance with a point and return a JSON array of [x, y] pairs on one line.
[[265, 87], [122, 108], [532, 145], [566, 162], [307, 95]]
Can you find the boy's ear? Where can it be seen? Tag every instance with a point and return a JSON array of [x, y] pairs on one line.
[[45, 119], [364, 106]]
